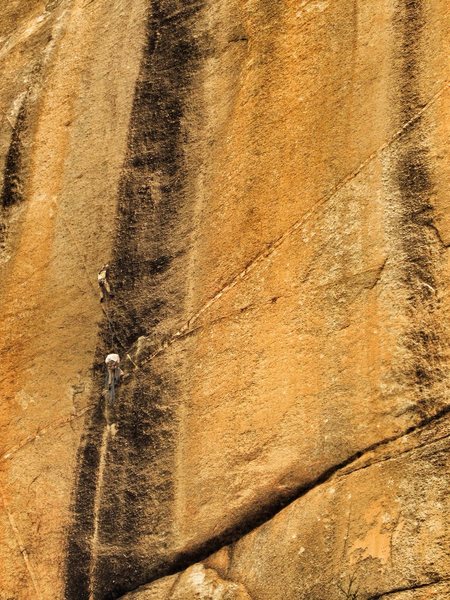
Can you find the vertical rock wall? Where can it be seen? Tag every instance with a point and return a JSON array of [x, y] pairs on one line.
[[267, 181], [68, 75]]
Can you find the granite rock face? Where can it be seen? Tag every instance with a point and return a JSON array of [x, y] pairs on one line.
[[375, 528], [268, 182], [196, 582]]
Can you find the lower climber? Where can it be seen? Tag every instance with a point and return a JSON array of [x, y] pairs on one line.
[[113, 374], [103, 283]]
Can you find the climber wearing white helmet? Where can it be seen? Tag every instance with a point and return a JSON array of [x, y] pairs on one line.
[[114, 372]]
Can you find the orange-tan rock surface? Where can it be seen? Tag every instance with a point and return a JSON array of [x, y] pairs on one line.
[[376, 527], [269, 183], [61, 64]]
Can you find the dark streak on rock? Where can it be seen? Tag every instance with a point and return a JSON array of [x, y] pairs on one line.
[[421, 251], [409, 588], [137, 488], [12, 182], [159, 265], [136, 502], [15, 167], [80, 533], [17, 158]]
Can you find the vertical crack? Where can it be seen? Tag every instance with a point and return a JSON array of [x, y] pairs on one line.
[[96, 512], [22, 549]]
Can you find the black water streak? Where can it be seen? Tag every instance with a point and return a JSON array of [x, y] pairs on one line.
[[421, 249], [138, 487], [13, 183]]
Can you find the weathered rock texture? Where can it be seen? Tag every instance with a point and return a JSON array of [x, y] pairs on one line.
[[375, 527], [268, 181]]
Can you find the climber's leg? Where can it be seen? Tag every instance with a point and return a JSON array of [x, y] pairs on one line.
[[102, 292]]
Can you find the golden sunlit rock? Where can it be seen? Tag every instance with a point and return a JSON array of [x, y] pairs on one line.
[[268, 183]]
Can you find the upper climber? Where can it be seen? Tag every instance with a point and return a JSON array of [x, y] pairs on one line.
[[103, 282]]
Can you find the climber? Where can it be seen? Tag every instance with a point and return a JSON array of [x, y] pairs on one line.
[[114, 373], [105, 288]]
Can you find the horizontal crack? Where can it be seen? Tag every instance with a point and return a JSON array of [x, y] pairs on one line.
[[408, 588]]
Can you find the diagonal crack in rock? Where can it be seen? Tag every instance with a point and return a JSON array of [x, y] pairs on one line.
[[415, 586], [265, 513]]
